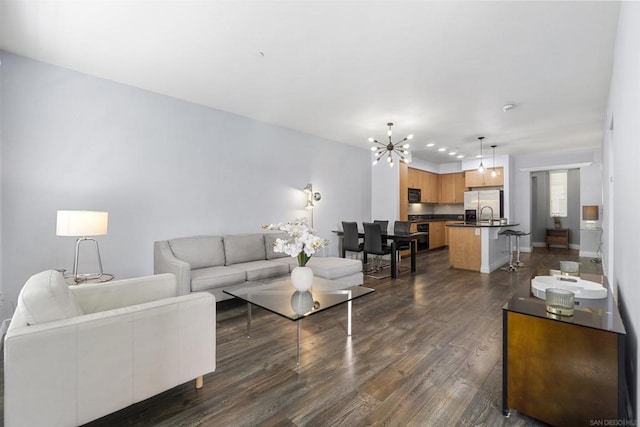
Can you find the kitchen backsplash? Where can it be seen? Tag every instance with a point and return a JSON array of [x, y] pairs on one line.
[[431, 209]]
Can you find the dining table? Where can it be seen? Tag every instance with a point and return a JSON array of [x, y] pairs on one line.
[[395, 238]]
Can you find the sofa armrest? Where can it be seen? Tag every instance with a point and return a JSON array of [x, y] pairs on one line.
[[95, 297], [132, 352], [165, 262]]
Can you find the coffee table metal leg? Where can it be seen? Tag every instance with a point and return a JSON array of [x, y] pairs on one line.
[[349, 317], [299, 322], [248, 320]]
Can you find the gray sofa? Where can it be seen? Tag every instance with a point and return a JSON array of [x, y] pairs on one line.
[[212, 263]]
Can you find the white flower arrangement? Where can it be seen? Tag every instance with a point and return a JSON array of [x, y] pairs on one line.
[[303, 242]]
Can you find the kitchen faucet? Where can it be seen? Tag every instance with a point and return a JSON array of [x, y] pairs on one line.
[[491, 209]]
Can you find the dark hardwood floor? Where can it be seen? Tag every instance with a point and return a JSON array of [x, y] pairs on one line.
[[426, 351]]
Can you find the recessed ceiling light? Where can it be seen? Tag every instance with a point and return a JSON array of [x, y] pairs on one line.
[[431, 144], [442, 149], [453, 153], [460, 156], [507, 107]]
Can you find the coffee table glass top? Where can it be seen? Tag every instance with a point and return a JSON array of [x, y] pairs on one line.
[[280, 297]]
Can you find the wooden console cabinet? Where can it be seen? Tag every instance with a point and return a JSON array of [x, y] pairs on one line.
[[565, 371], [557, 237]]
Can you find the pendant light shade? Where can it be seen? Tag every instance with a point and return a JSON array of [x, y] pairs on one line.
[[481, 168], [494, 173]]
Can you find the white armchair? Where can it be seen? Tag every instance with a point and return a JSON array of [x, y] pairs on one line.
[[75, 354]]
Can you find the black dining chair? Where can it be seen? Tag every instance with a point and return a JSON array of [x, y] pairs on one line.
[[402, 227], [350, 239], [373, 243], [384, 230]]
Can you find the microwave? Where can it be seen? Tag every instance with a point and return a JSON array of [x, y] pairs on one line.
[[415, 195]]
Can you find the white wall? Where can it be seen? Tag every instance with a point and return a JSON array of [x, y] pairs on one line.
[[621, 169], [162, 167]]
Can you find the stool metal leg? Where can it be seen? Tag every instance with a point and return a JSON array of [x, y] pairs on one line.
[[510, 267], [518, 262]]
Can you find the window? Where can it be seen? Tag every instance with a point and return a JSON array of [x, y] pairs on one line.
[[558, 193]]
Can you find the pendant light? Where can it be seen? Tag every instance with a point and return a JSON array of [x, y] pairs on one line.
[[481, 167], [493, 172]]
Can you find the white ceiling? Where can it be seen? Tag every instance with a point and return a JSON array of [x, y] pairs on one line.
[[343, 69]]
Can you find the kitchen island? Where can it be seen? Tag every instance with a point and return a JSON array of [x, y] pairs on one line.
[[478, 246]]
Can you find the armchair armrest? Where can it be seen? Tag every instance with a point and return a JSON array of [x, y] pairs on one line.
[[95, 297], [164, 261]]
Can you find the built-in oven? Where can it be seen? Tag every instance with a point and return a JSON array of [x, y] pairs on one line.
[[415, 195], [423, 240]]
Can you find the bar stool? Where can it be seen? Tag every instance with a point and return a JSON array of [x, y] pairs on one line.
[[519, 234], [509, 234]]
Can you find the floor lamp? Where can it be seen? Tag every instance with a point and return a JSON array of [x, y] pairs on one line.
[[83, 225]]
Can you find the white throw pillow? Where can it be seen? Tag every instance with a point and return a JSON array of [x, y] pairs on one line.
[[46, 297]]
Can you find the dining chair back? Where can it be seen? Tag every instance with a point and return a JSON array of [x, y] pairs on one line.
[[373, 243], [373, 239], [350, 239]]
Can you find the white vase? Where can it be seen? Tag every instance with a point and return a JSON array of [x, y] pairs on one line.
[[301, 302], [302, 278]]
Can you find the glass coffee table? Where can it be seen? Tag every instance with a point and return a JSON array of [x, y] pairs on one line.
[[280, 297]]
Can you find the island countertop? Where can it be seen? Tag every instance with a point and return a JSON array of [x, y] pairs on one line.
[[481, 224]]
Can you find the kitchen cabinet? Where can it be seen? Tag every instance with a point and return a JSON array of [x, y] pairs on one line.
[[446, 231], [473, 178], [413, 178], [452, 188], [431, 189], [436, 234], [427, 182]]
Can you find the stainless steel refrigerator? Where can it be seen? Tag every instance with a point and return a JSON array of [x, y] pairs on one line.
[[478, 199]]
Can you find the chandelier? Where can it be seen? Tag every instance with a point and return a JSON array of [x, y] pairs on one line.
[[389, 148]]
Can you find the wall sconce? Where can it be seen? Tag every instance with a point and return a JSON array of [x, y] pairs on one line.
[[81, 224], [311, 196]]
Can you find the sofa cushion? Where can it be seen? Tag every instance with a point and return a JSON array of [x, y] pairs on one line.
[[291, 262], [204, 279], [199, 251], [333, 267], [270, 240], [244, 248], [259, 270], [45, 297]]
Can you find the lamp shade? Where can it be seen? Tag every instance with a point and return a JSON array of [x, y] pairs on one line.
[[590, 213], [82, 223]]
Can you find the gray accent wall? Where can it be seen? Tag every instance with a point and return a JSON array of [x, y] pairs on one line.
[[540, 215], [161, 167]]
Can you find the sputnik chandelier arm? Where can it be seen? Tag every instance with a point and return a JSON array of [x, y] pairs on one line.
[[400, 148]]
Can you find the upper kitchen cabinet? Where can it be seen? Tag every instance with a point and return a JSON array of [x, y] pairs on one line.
[[452, 188], [427, 182], [430, 187], [473, 178], [413, 177]]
